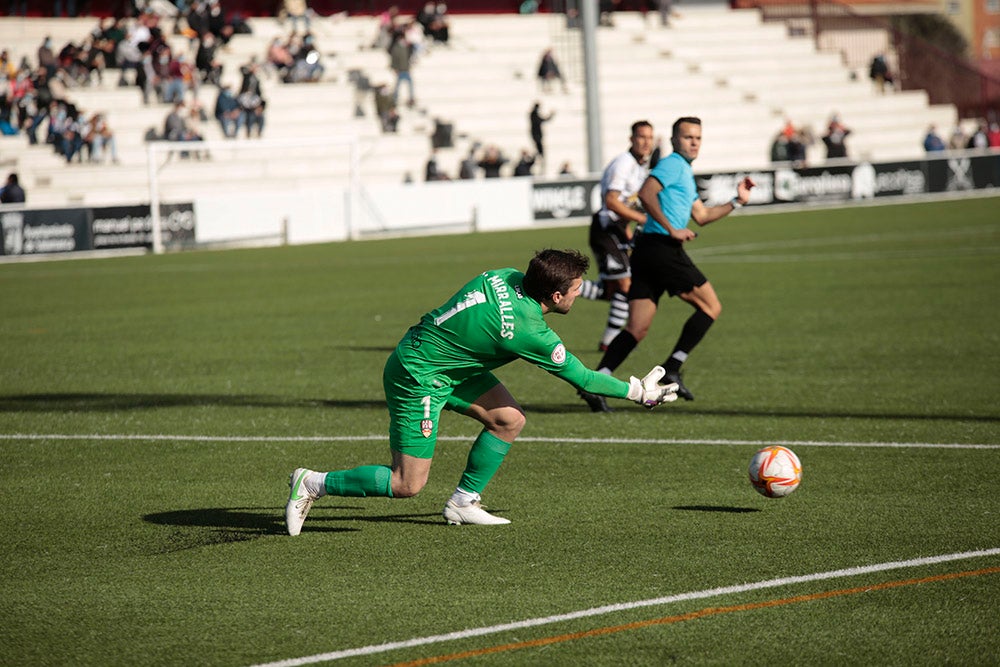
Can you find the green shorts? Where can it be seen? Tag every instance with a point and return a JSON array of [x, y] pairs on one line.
[[414, 410]]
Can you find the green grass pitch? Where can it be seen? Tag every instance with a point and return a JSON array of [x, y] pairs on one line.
[[151, 409]]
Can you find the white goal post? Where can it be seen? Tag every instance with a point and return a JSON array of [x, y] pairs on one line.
[[179, 171]]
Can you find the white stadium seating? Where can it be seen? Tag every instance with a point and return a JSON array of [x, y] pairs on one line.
[[741, 76]]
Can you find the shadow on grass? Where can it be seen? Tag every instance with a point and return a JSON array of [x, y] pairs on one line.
[[100, 402], [715, 508], [110, 402], [223, 525], [623, 406]]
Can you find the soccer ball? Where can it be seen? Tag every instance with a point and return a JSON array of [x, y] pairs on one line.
[[775, 471]]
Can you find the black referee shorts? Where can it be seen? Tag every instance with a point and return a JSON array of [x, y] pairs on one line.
[[659, 264], [611, 248]]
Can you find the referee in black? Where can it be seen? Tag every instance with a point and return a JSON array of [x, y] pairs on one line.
[[659, 262]]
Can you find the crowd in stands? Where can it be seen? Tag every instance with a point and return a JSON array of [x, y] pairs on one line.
[[791, 142]]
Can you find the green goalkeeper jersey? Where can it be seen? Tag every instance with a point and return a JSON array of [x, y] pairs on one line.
[[488, 323]]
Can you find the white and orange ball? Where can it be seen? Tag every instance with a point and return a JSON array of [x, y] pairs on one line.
[[775, 471]]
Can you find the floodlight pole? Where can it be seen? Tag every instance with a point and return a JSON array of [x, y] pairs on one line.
[[588, 16]]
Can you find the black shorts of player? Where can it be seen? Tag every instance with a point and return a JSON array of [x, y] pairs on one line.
[[659, 264], [611, 248]]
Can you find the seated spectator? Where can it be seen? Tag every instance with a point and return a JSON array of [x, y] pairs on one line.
[[12, 192], [548, 71], [228, 111], [993, 136], [295, 11], [932, 142], [431, 170], [251, 98], [957, 140], [101, 137], [279, 57], [979, 139], [492, 161], [306, 67], [468, 166], [434, 21], [385, 107], [779, 148], [565, 171]]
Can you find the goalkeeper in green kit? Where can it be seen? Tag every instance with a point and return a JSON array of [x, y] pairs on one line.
[[445, 361]]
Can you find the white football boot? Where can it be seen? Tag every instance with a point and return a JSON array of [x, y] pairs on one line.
[[473, 514], [300, 501]]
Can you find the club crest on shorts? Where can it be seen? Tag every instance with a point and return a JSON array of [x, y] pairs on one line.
[[427, 427]]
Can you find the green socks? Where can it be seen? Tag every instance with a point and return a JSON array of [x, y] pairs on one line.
[[360, 482], [485, 458]]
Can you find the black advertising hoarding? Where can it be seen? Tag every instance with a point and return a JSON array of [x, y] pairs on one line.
[[31, 232], [556, 200], [132, 226], [857, 182]]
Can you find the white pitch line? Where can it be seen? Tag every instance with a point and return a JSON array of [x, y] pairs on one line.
[[627, 606], [139, 437]]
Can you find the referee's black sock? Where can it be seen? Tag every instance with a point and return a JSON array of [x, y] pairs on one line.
[[620, 347], [694, 330]]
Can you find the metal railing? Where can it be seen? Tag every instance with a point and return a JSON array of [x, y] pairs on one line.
[[915, 63]]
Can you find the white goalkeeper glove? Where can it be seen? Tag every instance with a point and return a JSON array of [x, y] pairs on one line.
[[648, 392]]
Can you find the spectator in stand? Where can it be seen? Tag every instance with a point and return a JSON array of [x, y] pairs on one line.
[[47, 57], [801, 139], [979, 139], [548, 71], [12, 192], [306, 66], [434, 21], [251, 98], [957, 140], [525, 164], [175, 127], [280, 58], [22, 96], [933, 143], [399, 60], [431, 171], [386, 25], [879, 72], [492, 161], [75, 130], [206, 60], [100, 138], [173, 87], [535, 120], [385, 107], [467, 168], [295, 11], [834, 139], [993, 136], [779, 148], [565, 171], [148, 79], [228, 111]]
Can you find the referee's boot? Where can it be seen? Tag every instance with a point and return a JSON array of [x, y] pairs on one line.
[[595, 402], [682, 391]]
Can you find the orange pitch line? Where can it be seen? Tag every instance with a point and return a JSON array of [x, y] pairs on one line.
[[701, 613]]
